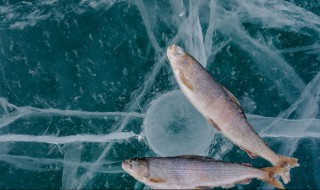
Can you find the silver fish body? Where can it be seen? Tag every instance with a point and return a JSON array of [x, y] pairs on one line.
[[220, 107], [194, 172]]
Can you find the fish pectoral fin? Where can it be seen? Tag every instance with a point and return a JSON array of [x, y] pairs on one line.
[[234, 100], [250, 154], [213, 124], [185, 81], [156, 180]]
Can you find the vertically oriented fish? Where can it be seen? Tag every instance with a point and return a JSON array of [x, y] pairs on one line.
[[195, 172], [221, 108]]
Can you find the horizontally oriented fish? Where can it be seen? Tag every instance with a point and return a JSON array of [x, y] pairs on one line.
[[195, 172], [221, 108]]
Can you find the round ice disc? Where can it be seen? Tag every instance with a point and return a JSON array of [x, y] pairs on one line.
[[174, 127]]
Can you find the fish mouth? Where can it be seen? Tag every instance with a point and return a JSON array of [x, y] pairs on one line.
[[172, 46], [125, 165], [170, 51], [175, 51]]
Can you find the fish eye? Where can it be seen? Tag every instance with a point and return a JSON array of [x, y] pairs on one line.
[[178, 51], [131, 162]]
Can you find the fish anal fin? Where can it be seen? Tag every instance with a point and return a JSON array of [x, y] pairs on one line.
[[228, 186], [250, 154], [203, 187], [156, 180], [247, 164], [185, 81], [234, 100], [245, 182], [214, 124]]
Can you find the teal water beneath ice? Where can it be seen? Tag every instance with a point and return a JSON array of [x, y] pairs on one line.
[[85, 84]]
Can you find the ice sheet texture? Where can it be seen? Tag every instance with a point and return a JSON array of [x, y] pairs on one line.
[[86, 84]]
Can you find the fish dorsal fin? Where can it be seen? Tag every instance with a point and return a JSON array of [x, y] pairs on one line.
[[190, 156], [185, 81], [156, 180], [194, 157], [213, 124], [234, 100], [250, 154]]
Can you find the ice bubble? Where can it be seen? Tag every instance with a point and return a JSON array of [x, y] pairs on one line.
[[174, 127]]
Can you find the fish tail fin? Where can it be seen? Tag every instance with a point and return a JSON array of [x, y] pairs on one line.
[[270, 172], [287, 163]]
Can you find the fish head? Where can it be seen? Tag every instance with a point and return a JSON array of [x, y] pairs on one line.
[[138, 168], [178, 57]]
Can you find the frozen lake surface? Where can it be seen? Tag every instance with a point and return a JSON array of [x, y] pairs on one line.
[[86, 84]]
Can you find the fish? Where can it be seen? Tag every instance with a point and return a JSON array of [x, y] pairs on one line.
[[196, 172], [221, 109]]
